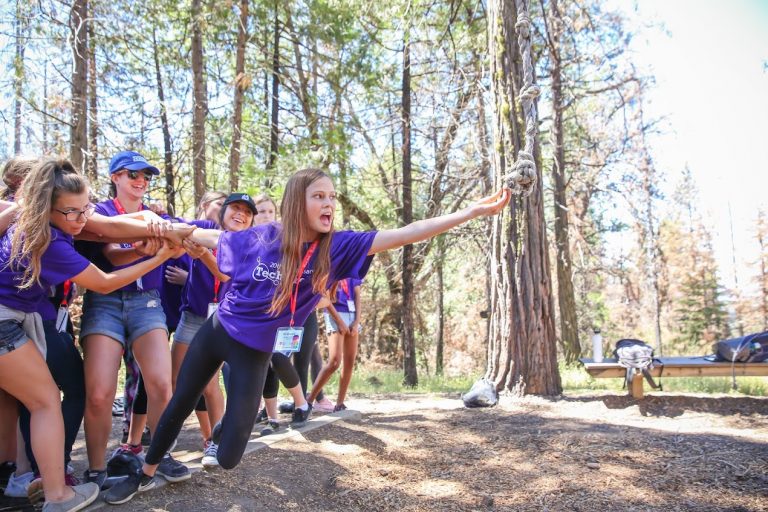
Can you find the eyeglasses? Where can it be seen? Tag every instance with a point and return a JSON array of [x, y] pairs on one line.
[[132, 175], [74, 215]]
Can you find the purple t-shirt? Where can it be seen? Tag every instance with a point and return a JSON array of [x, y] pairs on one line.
[[152, 280], [342, 297], [252, 259], [58, 263], [198, 290], [171, 294]]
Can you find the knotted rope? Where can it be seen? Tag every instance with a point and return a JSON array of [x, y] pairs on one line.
[[523, 176]]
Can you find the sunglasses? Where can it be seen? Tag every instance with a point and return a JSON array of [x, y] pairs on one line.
[[133, 175]]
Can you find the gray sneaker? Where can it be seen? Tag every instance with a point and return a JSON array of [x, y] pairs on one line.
[[173, 470], [84, 496], [270, 428], [300, 417]]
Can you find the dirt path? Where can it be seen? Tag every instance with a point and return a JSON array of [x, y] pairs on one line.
[[591, 452]]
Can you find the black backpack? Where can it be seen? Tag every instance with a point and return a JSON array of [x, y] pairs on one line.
[[752, 348], [636, 354]]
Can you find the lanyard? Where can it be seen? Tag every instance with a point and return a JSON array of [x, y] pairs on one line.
[[120, 209], [295, 291], [216, 285], [67, 288], [345, 286]]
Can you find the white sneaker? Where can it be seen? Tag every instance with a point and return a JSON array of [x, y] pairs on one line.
[[209, 454], [17, 485]]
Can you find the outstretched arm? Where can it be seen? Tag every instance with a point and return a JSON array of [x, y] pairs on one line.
[[427, 228], [206, 237]]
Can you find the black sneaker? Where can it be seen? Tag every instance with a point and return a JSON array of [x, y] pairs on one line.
[[300, 417], [173, 470], [270, 428], [146, 437], [123, 492], [6, 470], [262, 417], [285, 407], [96, 476]]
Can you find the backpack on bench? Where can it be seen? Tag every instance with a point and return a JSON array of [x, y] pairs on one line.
[[636, 354], [752, 348]]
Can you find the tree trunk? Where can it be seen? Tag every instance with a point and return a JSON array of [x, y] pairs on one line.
[[170, 179], [200, 94], [93, 110], [439, 335], [569, 327], [242, 82], [522, 353], [78, 138], [408, 342], [21, 24], [275, 109]]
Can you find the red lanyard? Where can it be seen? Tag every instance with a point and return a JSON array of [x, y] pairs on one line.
[[67, 288], [295, 291], [121, 210], [216, 285], [345, 286]]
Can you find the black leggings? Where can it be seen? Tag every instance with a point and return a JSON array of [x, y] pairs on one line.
[[298, 372], [211, 346]]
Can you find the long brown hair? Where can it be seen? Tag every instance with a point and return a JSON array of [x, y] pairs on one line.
[[32, 235], [14, 172], [209, 197], [293, 214]]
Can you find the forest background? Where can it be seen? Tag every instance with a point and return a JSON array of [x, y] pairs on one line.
[[393, 99]]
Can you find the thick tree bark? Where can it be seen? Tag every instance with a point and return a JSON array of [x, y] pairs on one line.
[[522, 354], [78, 20], [275, 107], [569, 327], [170, 178], [93, 110], [200, 95], [242, 82], [408, 339]]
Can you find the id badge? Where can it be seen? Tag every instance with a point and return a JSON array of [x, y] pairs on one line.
[[140, 284], [351, 306], [288, 339], [61, 319], [212, 307]]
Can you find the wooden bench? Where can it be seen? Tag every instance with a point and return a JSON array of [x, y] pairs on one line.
[[674, 367]]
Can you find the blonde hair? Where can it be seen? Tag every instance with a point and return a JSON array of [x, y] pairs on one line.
[[264, 198], [293, 212], [208, 198], [32, 235], [14, 172]]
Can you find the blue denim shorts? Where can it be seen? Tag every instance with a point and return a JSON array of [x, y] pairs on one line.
[[12, 336], [123, 316], [330, 323], [188, 326]]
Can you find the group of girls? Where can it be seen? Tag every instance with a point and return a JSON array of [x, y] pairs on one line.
[[255, 286]]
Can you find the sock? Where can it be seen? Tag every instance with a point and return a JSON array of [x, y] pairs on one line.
[[304, 407]]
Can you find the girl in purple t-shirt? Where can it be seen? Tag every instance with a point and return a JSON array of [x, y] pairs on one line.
[[278, 275], [36, 254]]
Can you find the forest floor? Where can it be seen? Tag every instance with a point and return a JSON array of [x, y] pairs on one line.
[[594, 452]]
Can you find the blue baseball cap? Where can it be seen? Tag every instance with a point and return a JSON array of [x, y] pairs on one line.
[[131, 161]]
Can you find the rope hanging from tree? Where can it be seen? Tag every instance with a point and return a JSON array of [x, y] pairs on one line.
[[523, 176]]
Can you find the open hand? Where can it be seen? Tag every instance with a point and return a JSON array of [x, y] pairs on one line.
[[492, 204]]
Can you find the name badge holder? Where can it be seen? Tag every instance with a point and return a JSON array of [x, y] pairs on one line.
[[288, 339]]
